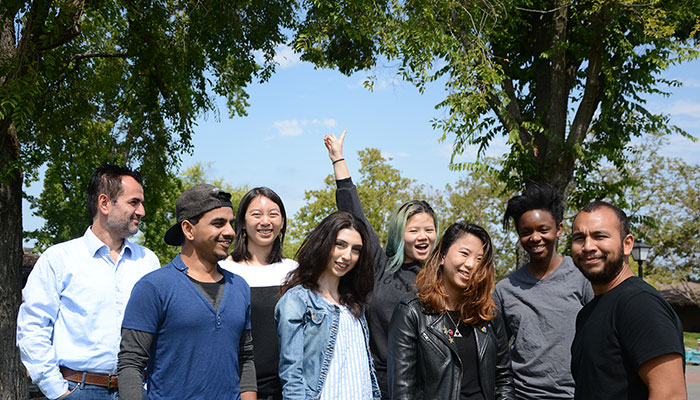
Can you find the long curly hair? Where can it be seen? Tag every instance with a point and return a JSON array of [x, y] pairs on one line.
[[476, 303], [315, 253]]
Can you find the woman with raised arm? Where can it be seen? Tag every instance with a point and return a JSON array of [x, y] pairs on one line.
[[260, 225], [322, 331], [411, 236], [447, 342]]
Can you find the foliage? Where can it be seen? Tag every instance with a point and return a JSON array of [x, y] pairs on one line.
[[161, 219], [119, 80], [665, 210], [381, 189], [563, 82], [479, 197]]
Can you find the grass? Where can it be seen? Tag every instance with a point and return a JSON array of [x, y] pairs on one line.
[[691, 339]]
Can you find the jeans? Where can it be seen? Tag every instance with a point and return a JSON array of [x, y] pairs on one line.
[[91, 392]]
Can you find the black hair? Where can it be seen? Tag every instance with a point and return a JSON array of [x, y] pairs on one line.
[[476, 303], [315, 252], [107, 179], [621, 216], [240, 242], [537, 197]]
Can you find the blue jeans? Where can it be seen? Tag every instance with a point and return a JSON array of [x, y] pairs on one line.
[[91, 392]]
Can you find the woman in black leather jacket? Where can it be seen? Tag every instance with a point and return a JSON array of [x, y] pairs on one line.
[[448, 343]]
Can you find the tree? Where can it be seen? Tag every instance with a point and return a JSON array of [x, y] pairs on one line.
[[480, 198], [381, 188], [477, 198], [664, 210], [163, 218], [131, 75], [564, 82]]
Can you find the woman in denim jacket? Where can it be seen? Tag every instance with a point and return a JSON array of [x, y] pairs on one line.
[[321, 327]]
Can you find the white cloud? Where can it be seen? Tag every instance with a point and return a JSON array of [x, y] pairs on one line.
[[329, 123], [404, 155], [289, 127], [296, 127], [285, 57], [691, 83], [684, 107]]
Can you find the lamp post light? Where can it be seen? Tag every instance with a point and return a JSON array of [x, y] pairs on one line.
[[640, 252]]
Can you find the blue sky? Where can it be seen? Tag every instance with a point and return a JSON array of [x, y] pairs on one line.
[[279, 144]]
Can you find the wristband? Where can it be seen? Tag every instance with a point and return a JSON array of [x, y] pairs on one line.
[[338, 160]]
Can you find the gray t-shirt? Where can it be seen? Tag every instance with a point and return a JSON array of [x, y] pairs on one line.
[[540, 317]]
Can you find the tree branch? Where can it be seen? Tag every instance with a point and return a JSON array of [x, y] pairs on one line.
[[592, 90], [97, 55], [72, 13]]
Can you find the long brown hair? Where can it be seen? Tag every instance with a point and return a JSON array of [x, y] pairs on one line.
[[476, 303], [315, 252]]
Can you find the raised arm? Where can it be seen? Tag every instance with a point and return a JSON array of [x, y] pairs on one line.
[[335, 153], [347, 198]]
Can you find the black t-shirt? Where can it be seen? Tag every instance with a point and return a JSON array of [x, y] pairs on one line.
[[464, 339], [616, 333], [262, 322]]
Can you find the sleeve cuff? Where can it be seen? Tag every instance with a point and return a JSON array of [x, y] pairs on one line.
[[344, 183], [53, 388]]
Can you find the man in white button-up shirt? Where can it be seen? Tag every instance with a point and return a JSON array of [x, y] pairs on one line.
[[68, 328]]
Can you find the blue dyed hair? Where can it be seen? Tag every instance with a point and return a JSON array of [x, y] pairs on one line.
[[397, 227]]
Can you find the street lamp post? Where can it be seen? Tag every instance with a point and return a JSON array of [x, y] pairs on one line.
[[640, 252]]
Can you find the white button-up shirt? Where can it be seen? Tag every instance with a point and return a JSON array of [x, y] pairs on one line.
[[73, 307]]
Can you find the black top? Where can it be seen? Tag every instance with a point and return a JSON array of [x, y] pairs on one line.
[[389, 289], [463, 336], [212, 291], [616, 333], [262, 323]]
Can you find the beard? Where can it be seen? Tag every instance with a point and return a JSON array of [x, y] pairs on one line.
[[121, 226], [611, 268]]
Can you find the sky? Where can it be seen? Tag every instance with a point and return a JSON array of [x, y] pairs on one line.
[[279, 143]]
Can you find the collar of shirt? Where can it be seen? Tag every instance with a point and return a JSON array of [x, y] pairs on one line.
[[95, 246]]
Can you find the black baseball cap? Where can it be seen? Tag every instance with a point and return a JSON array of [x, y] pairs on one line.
[[193, 202]]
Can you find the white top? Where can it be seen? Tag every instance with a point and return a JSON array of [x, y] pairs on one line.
[[348, 374], [261, 275]]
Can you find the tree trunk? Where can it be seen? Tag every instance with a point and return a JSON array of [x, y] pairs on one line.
[[13, 380]]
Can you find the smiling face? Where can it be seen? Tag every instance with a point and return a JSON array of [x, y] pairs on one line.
[[419, 237], [212, 235], [538, 233], [461, 259], [126, 210], [344, 255], [598, 248], [263, 222]]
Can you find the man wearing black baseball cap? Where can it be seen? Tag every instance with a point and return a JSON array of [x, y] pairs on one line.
[[189, 322]]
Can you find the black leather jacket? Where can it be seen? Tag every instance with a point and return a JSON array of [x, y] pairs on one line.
[[423, 364]]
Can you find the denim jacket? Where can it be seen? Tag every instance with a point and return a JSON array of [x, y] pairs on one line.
[[307, 328]]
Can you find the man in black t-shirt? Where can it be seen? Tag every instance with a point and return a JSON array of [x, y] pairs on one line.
[[629, 341]]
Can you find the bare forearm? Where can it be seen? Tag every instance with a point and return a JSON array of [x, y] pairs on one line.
[[249, 396]]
